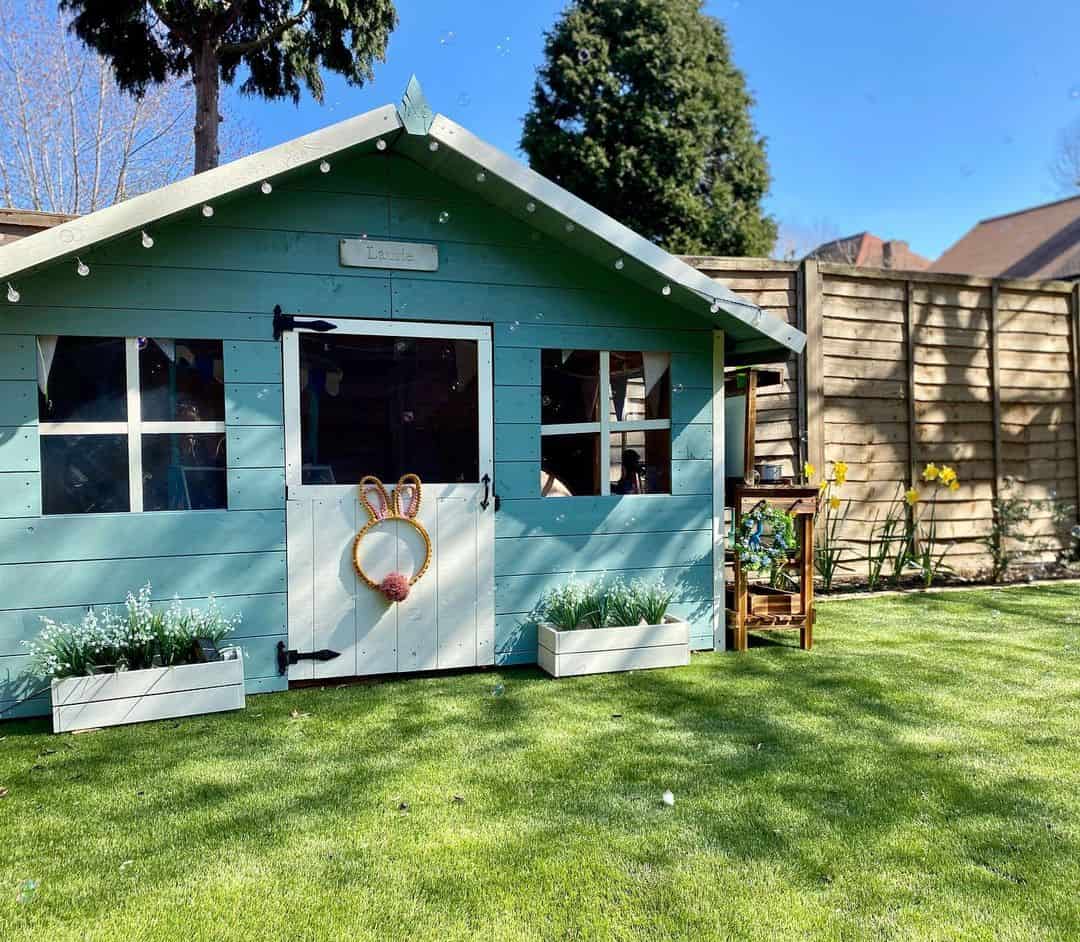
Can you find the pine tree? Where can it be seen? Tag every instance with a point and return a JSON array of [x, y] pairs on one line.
[[639, 110], [280, 43]]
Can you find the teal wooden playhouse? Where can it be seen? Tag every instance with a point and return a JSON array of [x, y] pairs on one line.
[[194, 382]]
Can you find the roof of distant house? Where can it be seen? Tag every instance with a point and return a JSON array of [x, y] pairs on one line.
[[19, 223], [870, 251], [1040, 242]]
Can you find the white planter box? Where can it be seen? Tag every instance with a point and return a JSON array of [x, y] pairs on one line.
[[606, 650], [155, 694]]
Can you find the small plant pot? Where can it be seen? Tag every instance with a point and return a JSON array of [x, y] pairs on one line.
[[156, 693], [609, 650]]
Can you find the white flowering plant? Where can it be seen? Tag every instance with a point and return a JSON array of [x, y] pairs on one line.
[[132, 638]]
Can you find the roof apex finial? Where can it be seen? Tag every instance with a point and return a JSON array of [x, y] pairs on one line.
[[415, 112]]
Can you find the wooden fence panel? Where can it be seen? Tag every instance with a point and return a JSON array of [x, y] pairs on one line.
[[902, 369]]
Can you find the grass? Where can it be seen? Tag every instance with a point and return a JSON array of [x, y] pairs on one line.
[[916, 777]]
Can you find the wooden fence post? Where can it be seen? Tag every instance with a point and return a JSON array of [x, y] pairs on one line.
[[909, 349], [995, 387], [1075, 331], [814, 365]]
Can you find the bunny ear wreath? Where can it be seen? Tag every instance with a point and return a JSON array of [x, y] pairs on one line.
[[403, 507]]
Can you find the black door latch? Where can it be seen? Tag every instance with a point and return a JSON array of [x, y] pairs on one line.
[[287, 656]]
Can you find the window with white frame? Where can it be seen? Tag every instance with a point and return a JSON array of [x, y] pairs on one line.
[[605, 422], [131, 424]]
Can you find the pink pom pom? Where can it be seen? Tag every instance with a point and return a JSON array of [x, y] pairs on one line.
[[395, 587]]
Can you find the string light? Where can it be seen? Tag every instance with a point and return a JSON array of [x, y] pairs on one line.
[[12, 295], [380, 144], [714, 308], [569, 227], [619, 264], [147, 240], [757, 318], [324, 166], [433, 146], [207, 210], [530, 207], [481, 177], [82, 268], [266, 188], [666, 290]]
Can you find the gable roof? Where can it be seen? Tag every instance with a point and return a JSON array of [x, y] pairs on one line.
[[447, 149], [867, 250], [1040, 242]]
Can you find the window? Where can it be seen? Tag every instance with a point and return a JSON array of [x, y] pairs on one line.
[[131, 424], [605, 423], [388, 405]]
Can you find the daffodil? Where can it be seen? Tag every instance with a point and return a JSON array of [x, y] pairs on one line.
[[840, 471], [930, 472], [823, 486], [911, 495], [948, 475], [834, 503], [954, 485], [808, 471]]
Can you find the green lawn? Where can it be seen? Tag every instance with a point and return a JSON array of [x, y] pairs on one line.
[[916, 776]]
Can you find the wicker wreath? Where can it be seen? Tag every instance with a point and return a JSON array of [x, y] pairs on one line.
[[403, 507]]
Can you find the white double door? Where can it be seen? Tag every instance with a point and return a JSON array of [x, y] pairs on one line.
[[387, 399]]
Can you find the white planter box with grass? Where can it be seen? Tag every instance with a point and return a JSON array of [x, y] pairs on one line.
[[607, 650], [156, 693]]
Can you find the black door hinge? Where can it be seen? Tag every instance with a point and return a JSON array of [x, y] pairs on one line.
[[284, 322], [287, 656]]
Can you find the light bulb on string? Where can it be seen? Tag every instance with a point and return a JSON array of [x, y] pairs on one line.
[[666, 290], [147, 240], [324, 166], [481, 177], [12, 295], [530, 207], [569, 227], [619, 264], [82, 268], [207, 210], [433, 146], [380, 144], [266, 188], [714, 308]]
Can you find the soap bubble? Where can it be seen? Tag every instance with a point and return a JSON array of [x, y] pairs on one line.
[[27, 891], [503, 48], [584, 55], [444, 217], [464, 100], [546, 400], [678, 388], [1074, 93], [447, 38], [539, 315], [669, 798], [561, 518], [498, 690]]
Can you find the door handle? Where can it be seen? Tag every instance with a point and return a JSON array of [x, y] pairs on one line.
[[484, 501]]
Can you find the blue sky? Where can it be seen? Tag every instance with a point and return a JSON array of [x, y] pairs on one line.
[[912, 120]]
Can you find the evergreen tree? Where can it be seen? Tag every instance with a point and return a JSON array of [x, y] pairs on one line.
[[280, 43], [639, 110]]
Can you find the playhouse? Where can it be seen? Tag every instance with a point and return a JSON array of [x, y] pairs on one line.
[[195, 381]]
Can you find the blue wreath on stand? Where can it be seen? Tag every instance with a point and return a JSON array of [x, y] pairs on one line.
[[765, 537]]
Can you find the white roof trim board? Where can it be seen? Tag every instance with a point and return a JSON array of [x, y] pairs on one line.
[[512, 186]]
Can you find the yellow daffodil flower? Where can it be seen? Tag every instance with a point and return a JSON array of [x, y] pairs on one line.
[[823, 487], [911, 496], [808, 471], [954, 485], [840, 471], [948, 475], [930, 472], [834, 503]]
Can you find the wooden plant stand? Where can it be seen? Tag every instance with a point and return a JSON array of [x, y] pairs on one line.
[[760, 607]]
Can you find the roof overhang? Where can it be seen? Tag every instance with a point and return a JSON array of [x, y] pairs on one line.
[[449, 150]]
